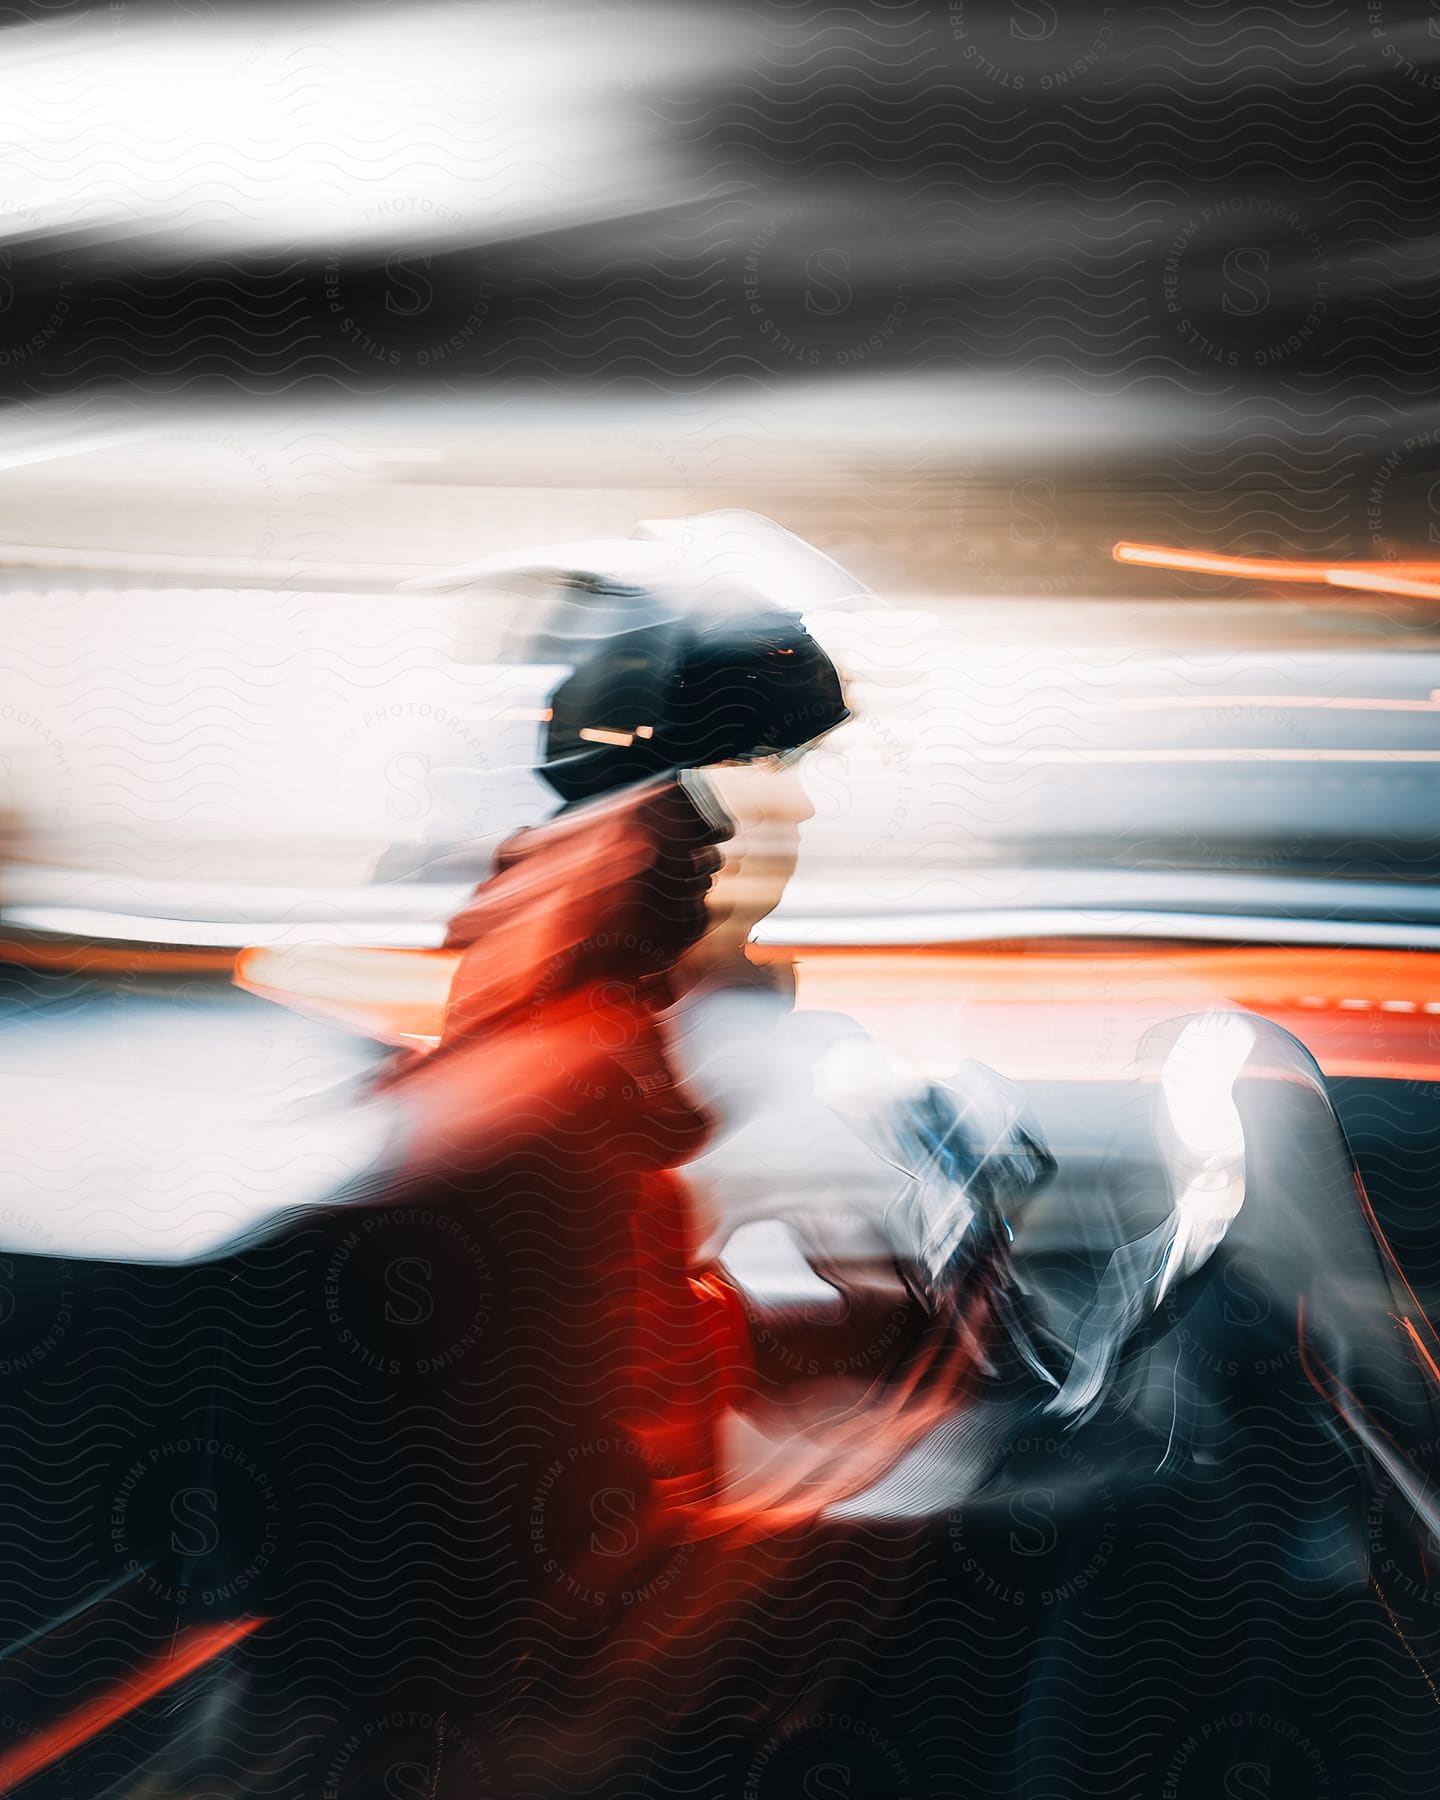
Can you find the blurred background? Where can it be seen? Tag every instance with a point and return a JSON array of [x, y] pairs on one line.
[[300, 302]]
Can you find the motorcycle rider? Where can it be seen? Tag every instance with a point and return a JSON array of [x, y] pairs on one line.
[[603, 990]]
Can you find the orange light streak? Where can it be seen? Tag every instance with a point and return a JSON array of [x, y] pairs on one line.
[[399, 996], [185, 1655], [1429, 1360], [395, 996], [1207, 562], [1413, 580], [1384, 584]]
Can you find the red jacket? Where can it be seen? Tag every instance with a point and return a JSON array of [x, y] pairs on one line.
[[550, 1119], [549, 1106]]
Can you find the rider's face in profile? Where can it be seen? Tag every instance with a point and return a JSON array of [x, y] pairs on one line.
[[766, 800]]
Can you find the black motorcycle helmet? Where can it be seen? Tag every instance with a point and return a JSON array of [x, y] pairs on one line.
[[657, 687]]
